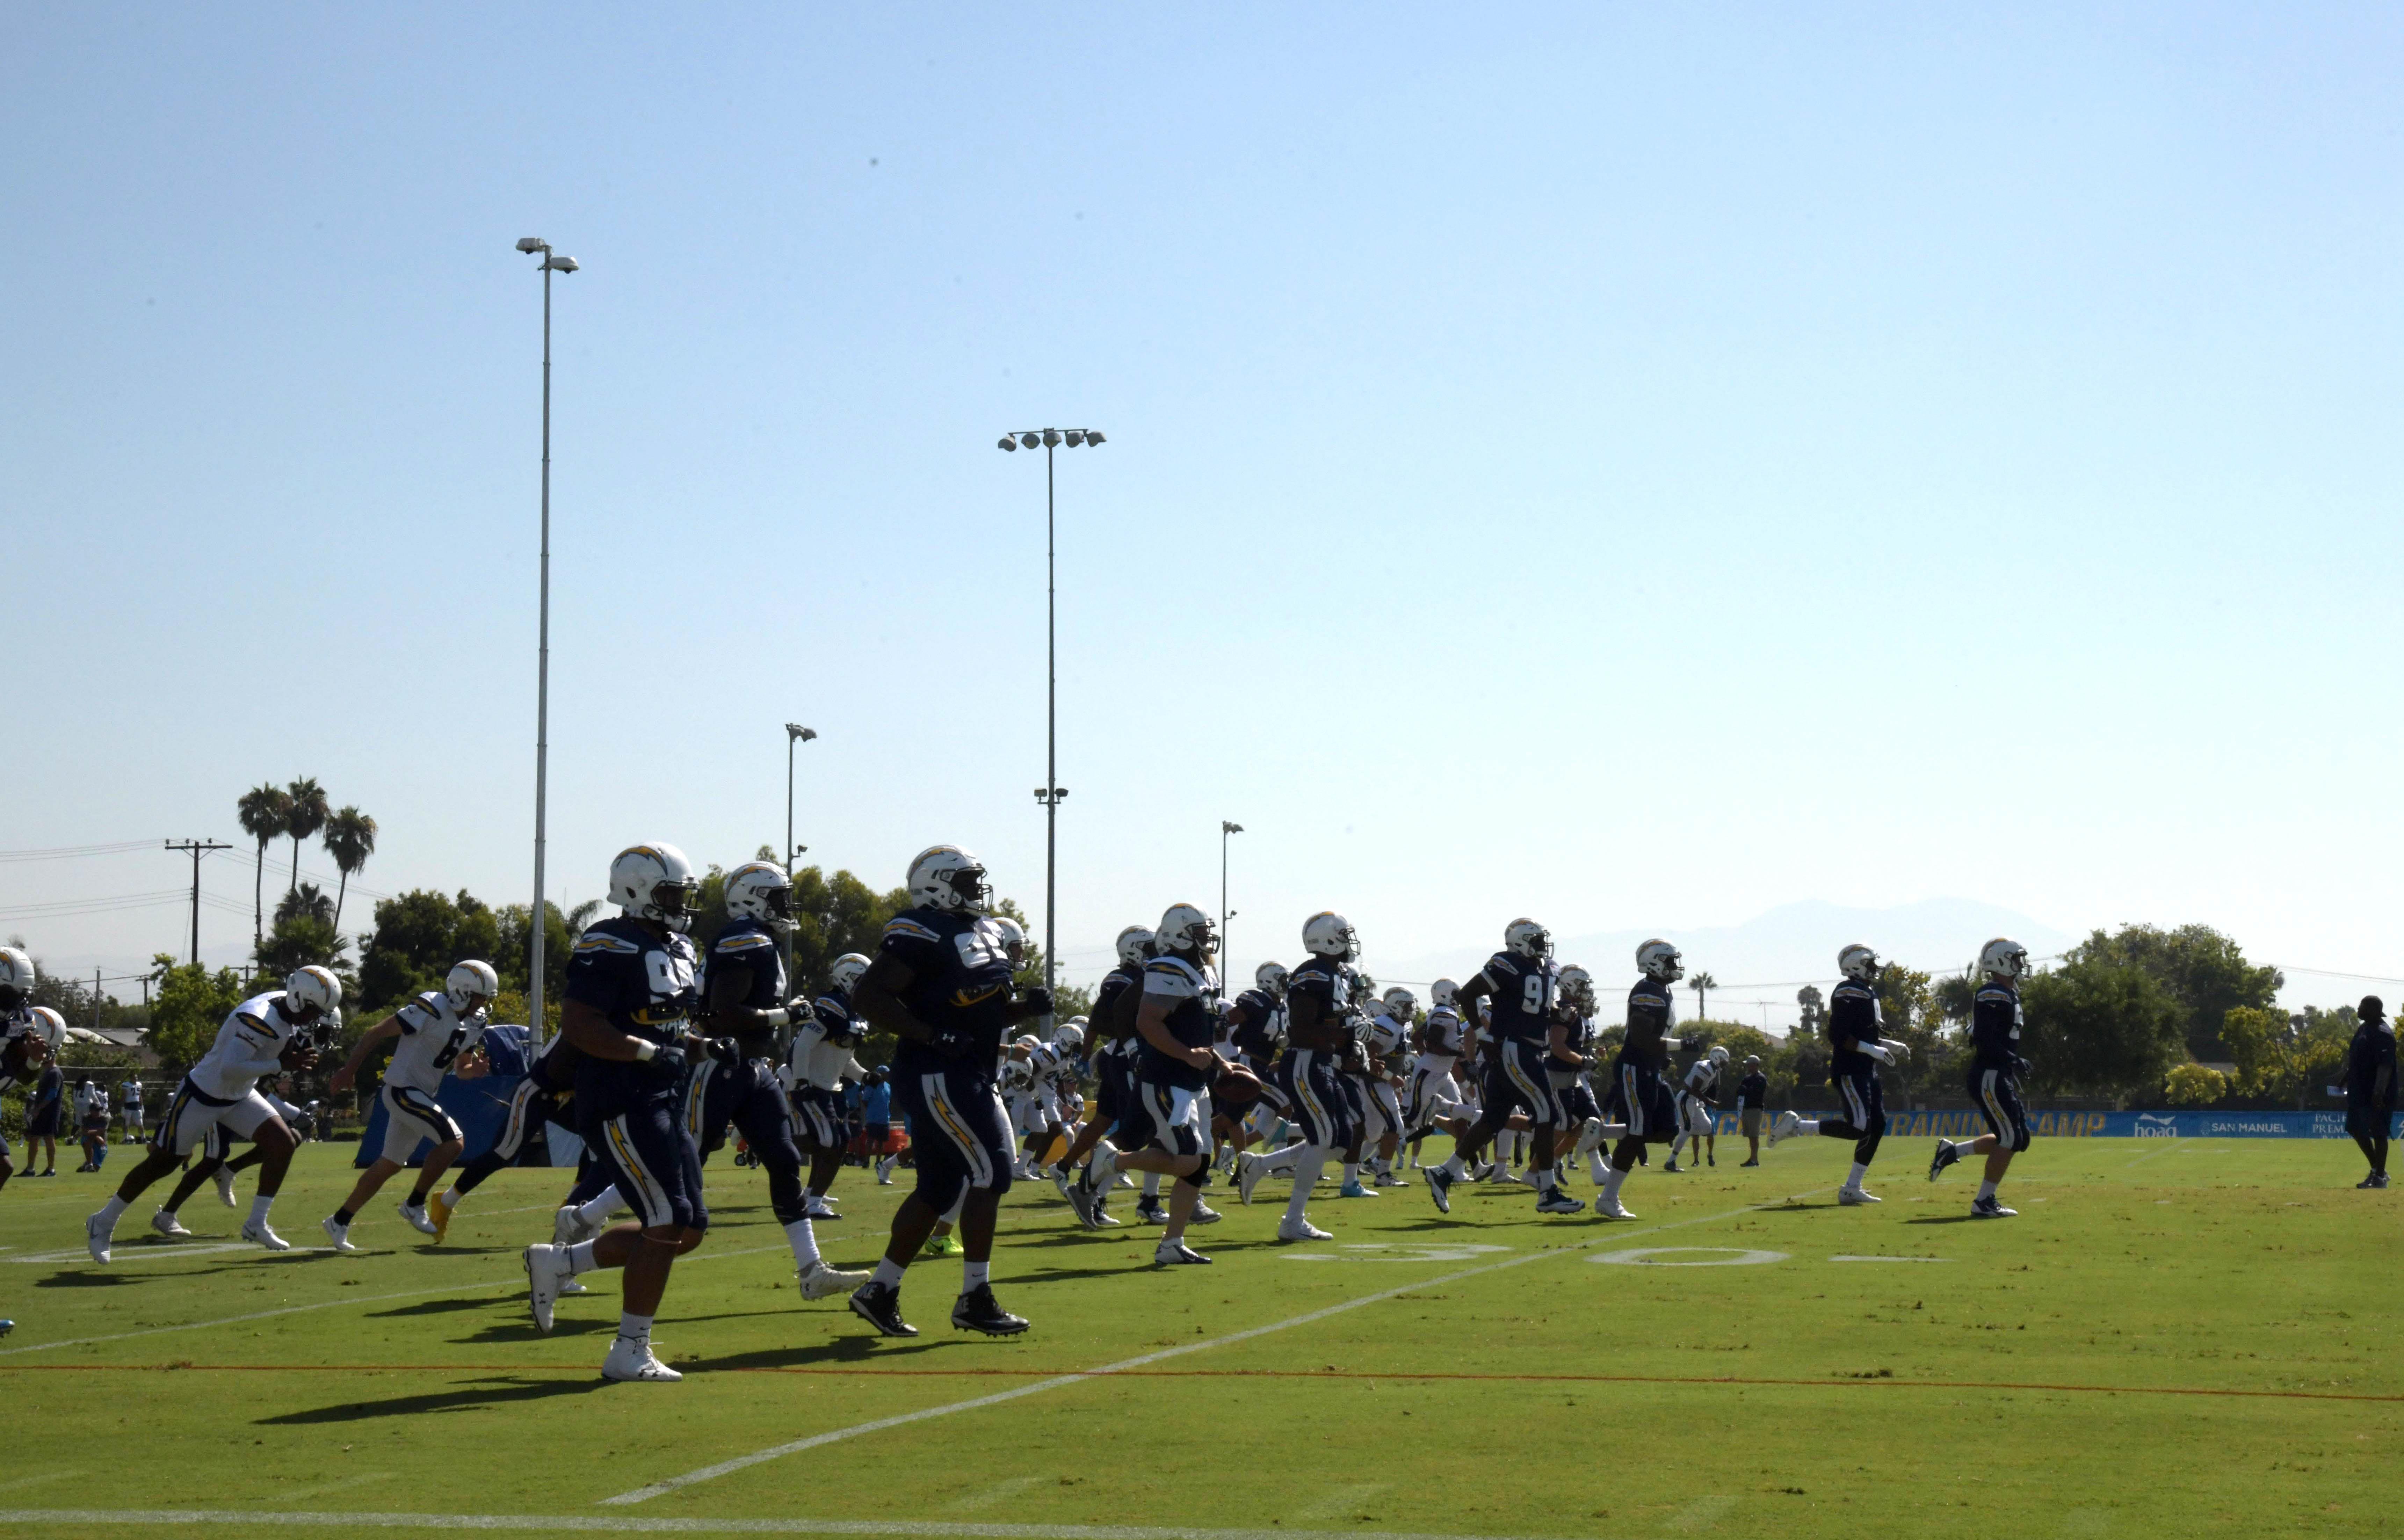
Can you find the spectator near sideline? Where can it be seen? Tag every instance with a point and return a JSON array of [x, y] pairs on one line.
[[92, 1122], [129, 1106], [42, 1119], [1751, 1093]]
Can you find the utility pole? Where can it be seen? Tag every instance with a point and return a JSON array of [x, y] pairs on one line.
[[95, 1003], [196, 849]]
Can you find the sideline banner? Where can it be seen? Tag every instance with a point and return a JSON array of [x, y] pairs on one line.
[[1967, 1124]]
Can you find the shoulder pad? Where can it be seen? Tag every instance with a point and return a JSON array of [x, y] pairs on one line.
[[1503, 961], [602, 940], [744, 941], [1853, 988], [1990, 993], [903, 925]]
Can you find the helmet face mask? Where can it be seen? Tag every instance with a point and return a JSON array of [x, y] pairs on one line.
[[1329, 934], [759, 891], [1186, 929], [1577, 990], [654, 882], [1526, 938], [1859, 962], [472, 986], [1400, 1003], [945, 876], [1660, 962], [309, 994], [2004, 959], [1135, 945]]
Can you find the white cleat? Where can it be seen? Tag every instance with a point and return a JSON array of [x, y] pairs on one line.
[[822, 1281], [97, 1233], [546, 1268], [1610, 1208], [1853, 1198], [631, 1360], [1787, 1126], [260, 1233], [884, 1170], [169, 1225], [224, 1179], [571, 1286], [816, 1207], [1302, 1229], [416, 1219], [566, 1229], [339, 1234], [1249, 1168], [1176, 1253]]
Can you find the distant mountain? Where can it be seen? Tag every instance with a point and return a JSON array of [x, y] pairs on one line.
[[1768, 959]]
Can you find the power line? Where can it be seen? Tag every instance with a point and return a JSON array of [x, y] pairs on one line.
[[196, 849], [60, 908], [69, 852]]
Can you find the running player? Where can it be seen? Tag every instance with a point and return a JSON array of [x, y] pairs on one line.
[[1699, 1106], [263, 1034], [1113, 1062], [1523, 982], [1320, 1013], [543, 1090], [1569, 1073], [824, 1042], [942, 984], [1168, 1131], [1639, 1093], [1996, 1069], [29, 1035], [1857, 1051], [436, 1034]]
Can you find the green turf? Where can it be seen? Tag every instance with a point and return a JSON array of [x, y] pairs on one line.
[[1800, 1397]]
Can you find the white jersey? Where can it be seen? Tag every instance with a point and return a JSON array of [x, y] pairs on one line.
[[1703, 1080], [814, 1062], [248, 1045], [1443, 1036], [433, 1036], [1383, 1036]]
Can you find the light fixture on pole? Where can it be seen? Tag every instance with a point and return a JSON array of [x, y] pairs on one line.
[[1225, 914], [795, 733], [539, 916], [1051, 791]]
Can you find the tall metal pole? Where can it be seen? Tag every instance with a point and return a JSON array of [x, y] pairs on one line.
[[1050, 733], [540, 915], [791, 738]]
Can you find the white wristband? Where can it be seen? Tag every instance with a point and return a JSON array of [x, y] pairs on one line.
[[646, 1051], [778, 1017]]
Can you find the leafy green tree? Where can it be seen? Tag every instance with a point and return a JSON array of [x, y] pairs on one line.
[[2101, 1026], [308, 899], [262, 811], [2203, 970], [306, 815], [189, 1007], [2195, 1085], [417, 938], [350, 839], [2288, 1058], [304, 935], [1909, 1010]]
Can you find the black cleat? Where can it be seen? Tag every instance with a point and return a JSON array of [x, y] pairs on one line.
[[978, 1311], [880, 1306], [1947, 1153]]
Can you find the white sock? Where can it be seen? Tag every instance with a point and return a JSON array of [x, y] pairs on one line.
[[581, 1258], [1352, 1173], [108, 1210], [1807, 1126], [258, 1206], [805, 1243], [1453, 1168], [1611, 1185], [1861, 1169], [1596, 1165], [1152, 1185], [1589, 1136], [601, 1208], [973, 1276], [451, 1197], [1283, 1159], [1986, 1189], [635, 1328], [1677, 1144], [1306, 1172], [1545, 1180], [888, 1272]]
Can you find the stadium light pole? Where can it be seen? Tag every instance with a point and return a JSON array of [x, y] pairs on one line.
[[1049, 439], [1225, 914], [795, 733], [539, 916]]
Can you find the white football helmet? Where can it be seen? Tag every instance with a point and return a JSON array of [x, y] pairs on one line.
[[1269, 978], [1442, 994], [310, 993], [1525, 938], [654, 882], [1013, 936], [759, 889], [846, 970], [1068, 1037], [16, 977], [945, 876], [1135, 945], [47, 1025], [1186, 929], [1577, 990], [1660, 962], [1401, 1003], [1719, 1055], [471, 986], [1028, 1043], [1858, 962], [2004, 959], [1329, 934]]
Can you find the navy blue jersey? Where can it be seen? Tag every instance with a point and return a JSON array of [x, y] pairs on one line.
[[1328, 982], [749, 945], [837, 1020], [960, 983], [645, 984], [1753, 1091], [1182, 989], [1259, 1033], [2370, 1064], [1995, 1026], [1524, 988], [1852, 1019], [1651, 1018], [1118, 981]]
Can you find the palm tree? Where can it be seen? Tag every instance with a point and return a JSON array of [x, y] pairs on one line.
[[262, 810], [350, 839], [307, 815], [1704, 983]]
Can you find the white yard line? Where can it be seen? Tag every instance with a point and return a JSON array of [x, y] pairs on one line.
[[2164, 1151], [106, 1518], [1612, 1234]]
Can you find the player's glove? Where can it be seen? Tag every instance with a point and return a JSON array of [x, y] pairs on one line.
[[666, 1064], [1036, 1003], [723, 1049]]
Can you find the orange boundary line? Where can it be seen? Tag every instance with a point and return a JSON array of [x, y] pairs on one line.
[[1833, 1383]]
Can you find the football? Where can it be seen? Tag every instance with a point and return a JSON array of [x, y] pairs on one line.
[[1237, 1087]]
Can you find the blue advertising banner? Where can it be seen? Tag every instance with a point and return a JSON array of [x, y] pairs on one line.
[[1967, 1124]]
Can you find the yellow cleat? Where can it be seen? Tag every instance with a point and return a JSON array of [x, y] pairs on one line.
[[438, 1210]]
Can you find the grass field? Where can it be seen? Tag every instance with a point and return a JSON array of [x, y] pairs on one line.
[[2174, 1337]]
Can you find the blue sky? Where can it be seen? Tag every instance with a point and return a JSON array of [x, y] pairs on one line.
[[1637, 466]]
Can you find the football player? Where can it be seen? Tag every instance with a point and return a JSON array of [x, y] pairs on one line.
[[1112, 1059], [1996, 1069], [1256, 1030], [1523, 982], [630, 994], [1572, 1091], [1640, 1094], [1435, 1099], [29, 1035], [264, 1033], [941, 983], [1857, 1051], [1751, 1096], [824, 1042], [1699, 1105], [748, 999], [542, 1088], [438, 1033], [1388, 1033], [1319, 1016], [2370, 1086], [1169, 1131]]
